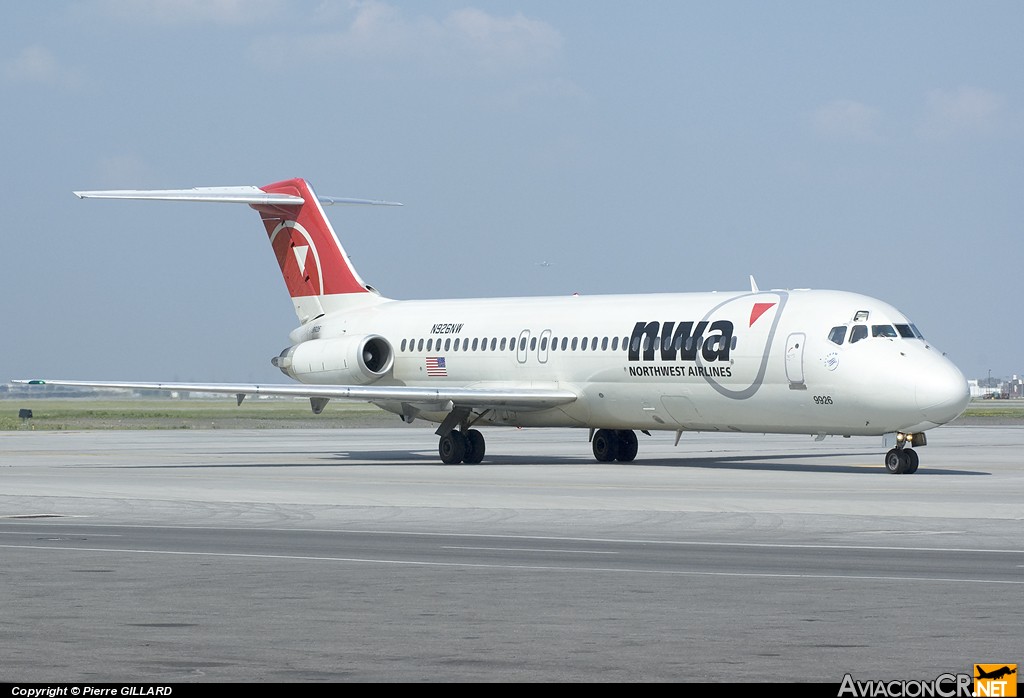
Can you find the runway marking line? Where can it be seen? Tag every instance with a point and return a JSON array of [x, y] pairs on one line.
[[530, 550], [549, 568]]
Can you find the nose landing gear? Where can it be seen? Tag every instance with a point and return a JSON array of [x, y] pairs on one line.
[[901, 461]]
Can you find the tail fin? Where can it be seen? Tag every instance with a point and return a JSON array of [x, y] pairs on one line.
[[319, 276]]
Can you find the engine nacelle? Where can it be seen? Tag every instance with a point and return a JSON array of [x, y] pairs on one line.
[[339, 360]]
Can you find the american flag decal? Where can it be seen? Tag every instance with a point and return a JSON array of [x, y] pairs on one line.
[[436, 366]]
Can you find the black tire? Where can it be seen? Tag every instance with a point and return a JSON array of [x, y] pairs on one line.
[[895, 461], [912, 461], [606, 445], [628, 445], [452, 448], [475, 447]]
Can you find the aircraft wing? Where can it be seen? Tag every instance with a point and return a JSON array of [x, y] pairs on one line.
[[426, 398]]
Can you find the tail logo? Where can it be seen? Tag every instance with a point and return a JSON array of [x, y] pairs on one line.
[[300, 256], [292, 245]]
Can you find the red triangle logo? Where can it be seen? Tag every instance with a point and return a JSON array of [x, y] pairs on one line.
[[758, 310]]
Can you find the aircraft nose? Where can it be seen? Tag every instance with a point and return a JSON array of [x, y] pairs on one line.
[[941, 392]]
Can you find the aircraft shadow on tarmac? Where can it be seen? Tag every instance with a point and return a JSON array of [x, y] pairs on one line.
[[773, 462], [789, 462]]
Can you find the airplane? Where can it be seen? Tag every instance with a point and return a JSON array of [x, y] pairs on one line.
[[795, 361], [996, 674]]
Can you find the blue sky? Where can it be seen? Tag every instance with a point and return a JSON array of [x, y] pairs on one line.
[[875, 147]]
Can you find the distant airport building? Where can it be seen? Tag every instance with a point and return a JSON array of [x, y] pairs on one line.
[[1011, 389]]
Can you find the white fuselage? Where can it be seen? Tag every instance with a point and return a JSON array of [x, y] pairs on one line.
[[758, 361]]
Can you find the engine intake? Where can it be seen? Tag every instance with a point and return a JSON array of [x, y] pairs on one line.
[[339, 361]]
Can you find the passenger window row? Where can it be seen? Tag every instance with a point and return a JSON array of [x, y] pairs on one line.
[[512, 343]]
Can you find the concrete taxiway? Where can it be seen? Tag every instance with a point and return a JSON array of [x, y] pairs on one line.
[[354, 555]]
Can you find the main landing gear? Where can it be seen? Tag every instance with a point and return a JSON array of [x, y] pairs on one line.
[[615, 444], [461, 447], [901, 461]]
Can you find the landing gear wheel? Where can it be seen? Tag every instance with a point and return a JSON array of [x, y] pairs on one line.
[[474, 447], [452, 448], [912, 460], [628, 445], [896, 461], [606, 445]]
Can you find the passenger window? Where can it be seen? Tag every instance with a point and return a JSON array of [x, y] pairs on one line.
[[522, 344], [448, 344], [574, 341], [403, 345], [565, 343], [837, 335], [420, 345], [455, 345], [604, 344], [615, 343], [494, 343], [859, 332], [544, 344], [476, 343], [882, 331], [503, 344], [583, 345]]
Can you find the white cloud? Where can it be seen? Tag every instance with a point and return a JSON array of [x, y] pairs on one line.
[[502, 40], [192, 11], [37, 64], [965, 110], [846, 119], [469, 41]]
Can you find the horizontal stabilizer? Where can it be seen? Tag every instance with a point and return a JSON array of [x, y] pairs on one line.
[[225, 195]]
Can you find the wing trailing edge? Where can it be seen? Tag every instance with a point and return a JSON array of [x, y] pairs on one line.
[[516, 398]]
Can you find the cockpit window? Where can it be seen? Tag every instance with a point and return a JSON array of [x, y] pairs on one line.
[[917, 332], [838, 334], [858, 332]]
